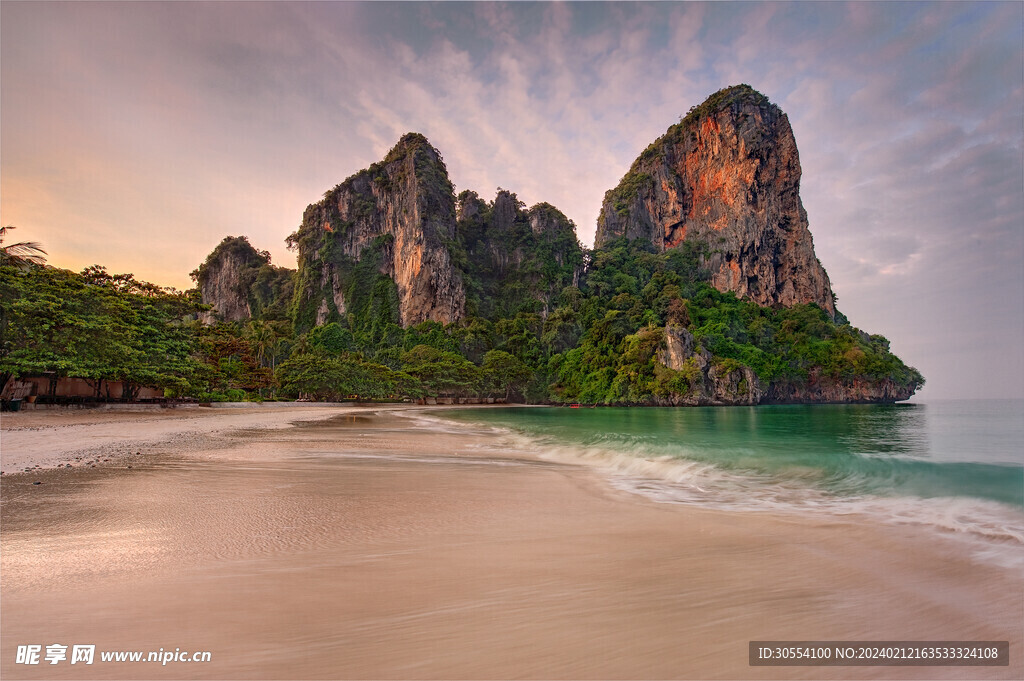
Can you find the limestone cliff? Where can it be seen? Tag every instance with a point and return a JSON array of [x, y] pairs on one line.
[[516, 259], [239, 283], [379, 244], [726, 180], [710, 383], [731, 383], [819, 388]]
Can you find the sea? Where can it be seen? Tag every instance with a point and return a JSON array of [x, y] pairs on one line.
[[954, 466]]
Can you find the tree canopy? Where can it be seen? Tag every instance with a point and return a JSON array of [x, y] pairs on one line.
[[597, 339]]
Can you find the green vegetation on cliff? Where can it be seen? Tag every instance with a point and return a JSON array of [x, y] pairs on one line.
[[397, 218], [637, 181], [264, 288], [514, 260], [599, 342], [528, 314], [725, 98], [634, 293]]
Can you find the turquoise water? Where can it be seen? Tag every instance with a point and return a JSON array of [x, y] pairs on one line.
[[959, 464]]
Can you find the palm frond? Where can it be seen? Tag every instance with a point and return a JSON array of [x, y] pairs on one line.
[[21, 254]]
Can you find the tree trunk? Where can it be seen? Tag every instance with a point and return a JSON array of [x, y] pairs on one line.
[[130, 391]]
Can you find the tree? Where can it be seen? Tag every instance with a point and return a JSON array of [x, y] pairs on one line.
[[505, 373], [331, 338], [318, 375], [324, 376], [441, 372], [232, 361], [265, 342], [22, 254], [94, 326]]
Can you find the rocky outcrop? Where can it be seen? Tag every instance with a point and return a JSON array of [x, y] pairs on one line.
[[726, 181], [709, 383], [546, 220], [730, 383], [395, 219], [470, 209], [225, 277], [504, 210], [826, 389], [516, 258]]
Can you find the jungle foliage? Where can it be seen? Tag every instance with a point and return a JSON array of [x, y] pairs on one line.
[[546, 321]]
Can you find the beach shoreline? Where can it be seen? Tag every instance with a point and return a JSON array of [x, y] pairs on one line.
[[358, 544], [44, 439]]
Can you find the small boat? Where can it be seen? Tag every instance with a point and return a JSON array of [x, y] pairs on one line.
[[574, 405]]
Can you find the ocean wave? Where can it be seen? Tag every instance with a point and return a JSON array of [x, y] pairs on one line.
[[440, 424], [666, 474], [872, 487]]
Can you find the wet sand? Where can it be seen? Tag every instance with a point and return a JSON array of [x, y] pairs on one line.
[[370, 546], [41, 438]]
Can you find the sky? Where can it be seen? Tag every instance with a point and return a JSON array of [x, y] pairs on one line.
[[138, 135]]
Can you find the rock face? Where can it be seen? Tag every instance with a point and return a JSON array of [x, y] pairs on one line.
[[722, 384], [726, 181], [710, 384], [393, 222], [391, 245], [225, 277], [547, 221], [825, 389], [516, 258]]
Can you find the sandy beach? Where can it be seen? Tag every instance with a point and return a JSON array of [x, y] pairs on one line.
[[44, 439], [359, 543]]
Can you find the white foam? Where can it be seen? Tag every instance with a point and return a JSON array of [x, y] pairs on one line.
[[442, 425], [458, 460], [995, 530]]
